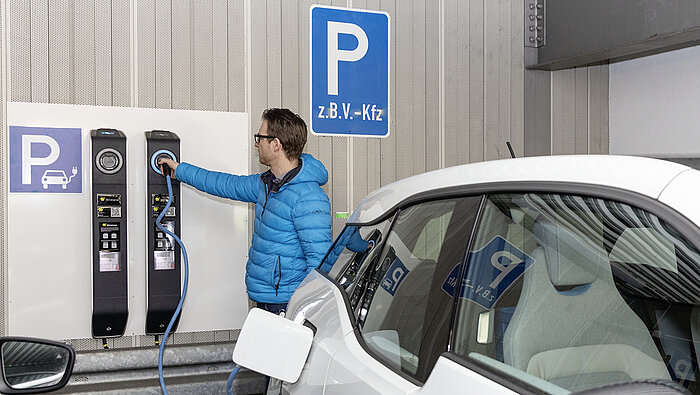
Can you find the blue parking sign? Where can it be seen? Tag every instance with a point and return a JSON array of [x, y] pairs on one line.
[[394, 276], [492, 270], [349, 70], [46, 160]]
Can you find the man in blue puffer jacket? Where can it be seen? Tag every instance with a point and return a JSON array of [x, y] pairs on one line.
[[292, 228]]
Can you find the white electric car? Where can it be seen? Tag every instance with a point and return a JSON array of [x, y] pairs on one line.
[[538, 275], [535, 275]]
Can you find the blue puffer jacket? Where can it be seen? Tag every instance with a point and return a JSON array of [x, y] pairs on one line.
[[292, 229]]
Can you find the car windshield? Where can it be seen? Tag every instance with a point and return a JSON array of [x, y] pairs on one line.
[[54, 173]]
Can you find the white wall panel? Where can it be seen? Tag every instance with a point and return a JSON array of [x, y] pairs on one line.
[[654, 105]]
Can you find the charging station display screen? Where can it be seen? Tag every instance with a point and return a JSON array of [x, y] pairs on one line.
[[109, 262]]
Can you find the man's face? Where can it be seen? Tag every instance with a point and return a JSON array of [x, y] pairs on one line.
[[265, 153]]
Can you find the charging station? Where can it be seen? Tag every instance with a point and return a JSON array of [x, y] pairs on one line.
[[109, 233], [163, 253]]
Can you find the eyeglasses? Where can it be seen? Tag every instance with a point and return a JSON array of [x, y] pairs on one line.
[[259, 136]]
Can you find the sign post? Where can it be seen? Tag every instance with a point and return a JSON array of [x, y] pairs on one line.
[[349, 72]]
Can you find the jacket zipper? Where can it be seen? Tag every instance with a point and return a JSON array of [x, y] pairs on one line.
[[279, 266], [267, 194]]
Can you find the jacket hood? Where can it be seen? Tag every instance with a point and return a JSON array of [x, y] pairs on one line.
[[312, 170]]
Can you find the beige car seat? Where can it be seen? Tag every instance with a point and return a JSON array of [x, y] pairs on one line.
[[571, 326]]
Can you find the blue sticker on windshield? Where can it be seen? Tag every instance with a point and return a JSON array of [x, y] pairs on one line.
[[492, 270], [393, 277]]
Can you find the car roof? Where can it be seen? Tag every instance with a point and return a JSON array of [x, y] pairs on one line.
[[642, 175]]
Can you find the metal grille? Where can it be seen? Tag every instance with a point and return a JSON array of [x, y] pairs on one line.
[[144, 341]]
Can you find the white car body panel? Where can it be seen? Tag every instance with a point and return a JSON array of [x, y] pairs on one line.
[[637, 174], [321, 303], [442, 381], [352, 370]]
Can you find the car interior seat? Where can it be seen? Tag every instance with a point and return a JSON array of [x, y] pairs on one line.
[[571, 326]]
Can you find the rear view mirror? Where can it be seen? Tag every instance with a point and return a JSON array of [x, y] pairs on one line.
[[273, 345], [31, 366]]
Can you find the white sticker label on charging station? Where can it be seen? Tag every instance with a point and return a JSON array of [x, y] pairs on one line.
[[164, 260], [109, 262]]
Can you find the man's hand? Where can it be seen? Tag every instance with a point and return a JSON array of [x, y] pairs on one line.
[[171, 163]]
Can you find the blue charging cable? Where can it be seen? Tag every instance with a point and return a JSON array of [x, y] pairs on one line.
[[184, 288], [229, 383]]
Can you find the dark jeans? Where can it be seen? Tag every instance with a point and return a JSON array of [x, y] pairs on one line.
[[274, 308]]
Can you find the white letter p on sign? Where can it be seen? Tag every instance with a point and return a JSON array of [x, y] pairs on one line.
[[336, 55], [28, 161]]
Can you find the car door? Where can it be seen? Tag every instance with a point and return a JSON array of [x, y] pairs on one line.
[[403, 300]]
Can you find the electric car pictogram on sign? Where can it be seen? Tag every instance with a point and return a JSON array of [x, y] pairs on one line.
[[47, 160]]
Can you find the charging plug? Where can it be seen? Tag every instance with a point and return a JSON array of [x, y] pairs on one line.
[[165, 169]]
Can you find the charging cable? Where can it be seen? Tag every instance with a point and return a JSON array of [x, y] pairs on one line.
[[229, 383], [166, 172]]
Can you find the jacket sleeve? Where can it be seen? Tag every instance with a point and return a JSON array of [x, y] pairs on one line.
[[312, 222], [243, 188]]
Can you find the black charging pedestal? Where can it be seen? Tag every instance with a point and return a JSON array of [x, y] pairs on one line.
[[110, 308], [163, 254]]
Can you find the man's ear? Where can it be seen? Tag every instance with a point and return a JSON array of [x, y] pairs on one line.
[[277, 145]]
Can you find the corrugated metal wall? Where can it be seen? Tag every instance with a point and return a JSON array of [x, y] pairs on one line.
[[457, 79]]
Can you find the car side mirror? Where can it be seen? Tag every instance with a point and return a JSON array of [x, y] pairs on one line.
[[273, 345], [32, 366]]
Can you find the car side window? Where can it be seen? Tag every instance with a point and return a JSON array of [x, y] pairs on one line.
[[406, 310], [567, 293]]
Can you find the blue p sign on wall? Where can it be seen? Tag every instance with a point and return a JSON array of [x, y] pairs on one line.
[[349, 72], [45, 160]]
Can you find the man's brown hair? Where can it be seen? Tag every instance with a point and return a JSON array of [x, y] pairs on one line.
[[289, 129]]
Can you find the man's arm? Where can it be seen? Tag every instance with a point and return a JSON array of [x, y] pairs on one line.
[[312, 221], [243, 188]]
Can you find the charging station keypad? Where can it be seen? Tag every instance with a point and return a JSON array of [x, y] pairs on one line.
[[109, 247]]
